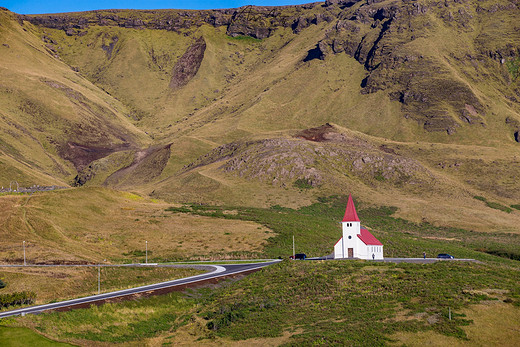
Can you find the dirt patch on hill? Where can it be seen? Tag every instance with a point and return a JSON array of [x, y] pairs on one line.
[[329, 133], [318, 134], [187, 66], [80, 155], [147, 165], [119, 170]]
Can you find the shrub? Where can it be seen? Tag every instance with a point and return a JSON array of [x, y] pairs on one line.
[[17, 298], [513, 66], [2, 284], [303, 183], [494, 205], [497, 206]]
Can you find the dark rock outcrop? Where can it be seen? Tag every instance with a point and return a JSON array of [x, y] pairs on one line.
[[315, 53], [172, 20], [281, 161], [83, 154], [426, 88], [515, 125], [249, 21], [109, 48], [257, 22], [187, 66]]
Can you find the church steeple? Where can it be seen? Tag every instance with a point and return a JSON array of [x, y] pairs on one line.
[[350, 212]]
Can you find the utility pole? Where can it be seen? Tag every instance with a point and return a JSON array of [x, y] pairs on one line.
[[24, 263], [146, 243], [293, 249], [99, 279]]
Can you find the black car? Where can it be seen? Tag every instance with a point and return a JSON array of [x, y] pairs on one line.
[[445, 256], [300, 256]]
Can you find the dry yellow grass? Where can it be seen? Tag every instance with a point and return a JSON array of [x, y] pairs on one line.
[[494, 324], [69, 282], [191, 334], [95, 225]]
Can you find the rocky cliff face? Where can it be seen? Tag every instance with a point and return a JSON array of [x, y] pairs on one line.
[[258, 22], [385, 37], [173, 20]]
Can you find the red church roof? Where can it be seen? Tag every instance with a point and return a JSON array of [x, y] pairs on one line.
[[368, 238], [350, 212]]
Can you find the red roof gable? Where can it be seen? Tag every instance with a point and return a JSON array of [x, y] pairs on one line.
[[368, 238], [350, 212]]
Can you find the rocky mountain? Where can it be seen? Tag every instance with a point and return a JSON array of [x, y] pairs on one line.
[[405, 102]]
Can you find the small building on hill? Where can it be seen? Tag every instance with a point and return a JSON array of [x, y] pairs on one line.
[[357, 242]]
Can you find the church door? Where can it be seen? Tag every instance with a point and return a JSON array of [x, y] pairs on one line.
[[351, 252]]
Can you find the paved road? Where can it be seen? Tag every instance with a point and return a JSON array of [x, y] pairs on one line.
[[398, 260], [420, 260], [219, 271]]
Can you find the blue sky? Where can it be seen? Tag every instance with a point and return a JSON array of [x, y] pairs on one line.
[[56, 6]]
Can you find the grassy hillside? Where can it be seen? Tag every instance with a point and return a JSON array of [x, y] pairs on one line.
[[284, 119], [53, 120], [302, 73], [306, 303], [99, 225]]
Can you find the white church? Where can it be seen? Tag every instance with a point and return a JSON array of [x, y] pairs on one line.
[[356, 242]]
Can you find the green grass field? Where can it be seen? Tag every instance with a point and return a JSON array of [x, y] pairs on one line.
[[17, 337], [316, 228], [305, 299]]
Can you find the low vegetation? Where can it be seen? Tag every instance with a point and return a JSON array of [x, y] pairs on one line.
[[97, 225], [116, 323], [306, 299], [354, 303], [17, 298], [513, 66], [494, 205], [14, 337], [313, 302]]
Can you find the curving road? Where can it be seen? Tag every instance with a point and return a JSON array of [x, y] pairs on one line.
[[219, 272]]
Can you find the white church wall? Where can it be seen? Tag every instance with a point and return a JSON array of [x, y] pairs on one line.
[[338, 249]]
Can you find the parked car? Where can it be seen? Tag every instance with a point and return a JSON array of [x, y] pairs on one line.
[[445, 256], [300, 256]]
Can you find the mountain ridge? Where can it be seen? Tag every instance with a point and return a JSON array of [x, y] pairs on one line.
[[189, 84]]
